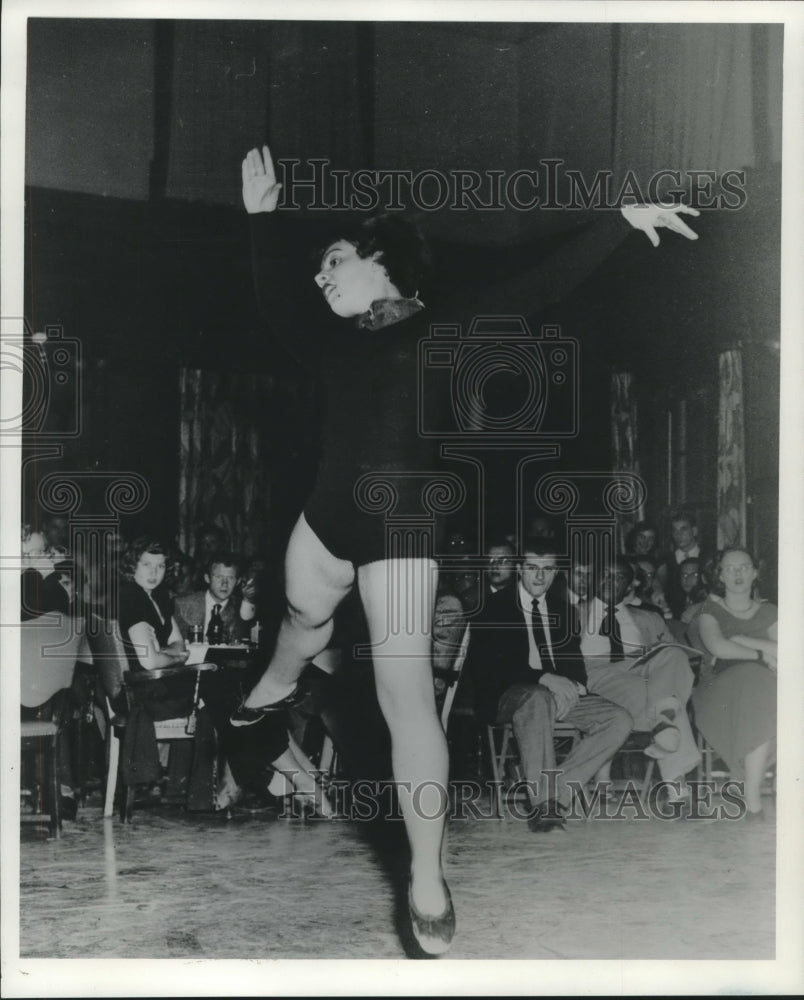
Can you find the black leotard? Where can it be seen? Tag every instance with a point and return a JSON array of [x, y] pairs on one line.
[[370, 380]]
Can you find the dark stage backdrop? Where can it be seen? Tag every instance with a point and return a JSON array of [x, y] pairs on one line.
[[137, 246]]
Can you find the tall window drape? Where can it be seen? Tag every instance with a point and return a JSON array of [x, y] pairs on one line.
[[684, 98], [223, 478], [623, 414], [238, 84], [730, 451]]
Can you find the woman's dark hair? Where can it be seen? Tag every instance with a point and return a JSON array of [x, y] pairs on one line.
[[404, 252], [141, 545], [638, 528]]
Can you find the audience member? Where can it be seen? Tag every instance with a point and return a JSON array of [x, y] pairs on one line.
[[37, 569], [525, 665], [46, 588], [735, 701], [150, 635], [237, 612], [642, 540], [685, 545], [501, 558], [689, 590], [152, 639], [579, 582], [541, 526], [655, 688], [648, 591], [56, 529], [449, 624]]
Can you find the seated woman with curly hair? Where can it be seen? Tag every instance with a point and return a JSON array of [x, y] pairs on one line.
[[735, 700]]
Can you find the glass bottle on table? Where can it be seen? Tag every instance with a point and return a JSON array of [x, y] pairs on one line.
[[215, 627]]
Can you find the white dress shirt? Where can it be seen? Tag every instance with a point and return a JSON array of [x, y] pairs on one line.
[[692, 553], [526, 603], [209, 604], [598, 646]]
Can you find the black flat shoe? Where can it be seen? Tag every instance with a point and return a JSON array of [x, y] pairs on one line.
[[433, 934], [243, 716], [547, 817]]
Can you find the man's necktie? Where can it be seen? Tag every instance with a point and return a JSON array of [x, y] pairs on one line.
[[540, 635], [216, 610], [611, 627]]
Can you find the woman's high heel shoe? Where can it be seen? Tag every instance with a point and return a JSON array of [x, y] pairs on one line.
[[433, 934]]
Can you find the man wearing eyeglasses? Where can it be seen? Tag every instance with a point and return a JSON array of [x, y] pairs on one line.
[[526, 668]]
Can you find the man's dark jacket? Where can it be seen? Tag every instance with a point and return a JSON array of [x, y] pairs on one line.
[[499, 649]]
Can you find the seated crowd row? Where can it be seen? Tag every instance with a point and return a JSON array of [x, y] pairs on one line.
[[598, 647], [556, 640]]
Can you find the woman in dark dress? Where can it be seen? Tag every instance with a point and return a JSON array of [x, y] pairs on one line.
[[735, 700], [152, 640], [147, 626], [373, 450]]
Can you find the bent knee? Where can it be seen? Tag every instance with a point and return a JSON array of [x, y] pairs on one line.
[[538, 703], [622, 720], [305, 615]]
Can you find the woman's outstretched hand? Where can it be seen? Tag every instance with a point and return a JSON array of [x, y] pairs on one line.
[[649, 218], [260, 187]]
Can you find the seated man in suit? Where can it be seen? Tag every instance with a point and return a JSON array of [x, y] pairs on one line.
[[526, 668], [221, 576], [654, 688]]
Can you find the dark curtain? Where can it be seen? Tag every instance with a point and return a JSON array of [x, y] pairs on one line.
[[238, 84], [223, 478]]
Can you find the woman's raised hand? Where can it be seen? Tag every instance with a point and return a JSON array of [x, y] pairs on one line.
[[260, 187], [649, 218]]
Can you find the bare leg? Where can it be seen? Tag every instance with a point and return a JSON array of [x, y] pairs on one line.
[[755, 764], [398, 599], [316, 583]]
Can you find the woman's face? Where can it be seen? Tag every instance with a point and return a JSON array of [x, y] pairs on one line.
[[351, 283], [690, 576], [644, 542], [737, 573], [150, 571]]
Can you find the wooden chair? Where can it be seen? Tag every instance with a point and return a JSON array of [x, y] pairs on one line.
[[631, 752], [451, 678], [504, 753], [49, 648], [119, 690]]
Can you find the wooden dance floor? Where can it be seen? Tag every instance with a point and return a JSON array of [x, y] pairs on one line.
[[175, 885]]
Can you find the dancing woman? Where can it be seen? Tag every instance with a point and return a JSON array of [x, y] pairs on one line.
[[369, 374]]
